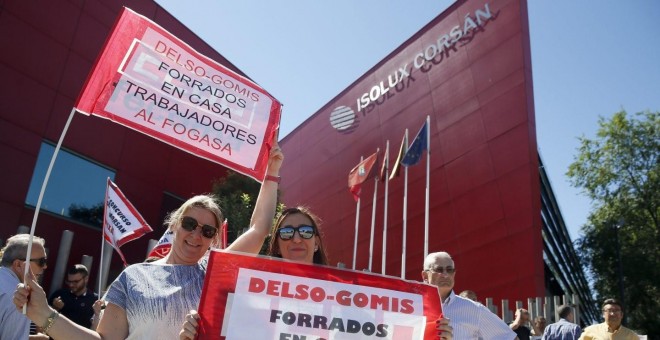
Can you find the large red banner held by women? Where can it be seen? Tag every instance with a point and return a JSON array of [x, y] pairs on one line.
[[248, 297], [149, 80]]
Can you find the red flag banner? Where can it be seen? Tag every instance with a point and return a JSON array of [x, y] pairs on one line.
[[163, 246], [301, 301], [360, 173], [147, 79], [121, 221]]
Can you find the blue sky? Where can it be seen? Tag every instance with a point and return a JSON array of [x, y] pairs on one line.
[[589, 59]]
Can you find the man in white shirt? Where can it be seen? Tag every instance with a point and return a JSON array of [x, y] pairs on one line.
[[469, 319]]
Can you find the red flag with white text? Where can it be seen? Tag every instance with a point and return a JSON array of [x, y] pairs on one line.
[[121, 221], [151, 81], [360, 173]]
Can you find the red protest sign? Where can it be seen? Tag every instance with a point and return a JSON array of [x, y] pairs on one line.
[[294, 300], [149, 80]]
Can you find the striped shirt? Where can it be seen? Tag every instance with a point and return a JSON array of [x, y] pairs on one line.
[[472, 320], [562, 330], [157, 297]]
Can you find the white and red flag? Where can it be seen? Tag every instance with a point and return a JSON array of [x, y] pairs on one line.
[[359, 174], [163, 246], [151, 81], [121, 221]]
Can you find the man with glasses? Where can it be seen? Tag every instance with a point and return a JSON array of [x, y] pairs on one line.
[[469, 319], [611, 328], [76, 301], [13, 324]]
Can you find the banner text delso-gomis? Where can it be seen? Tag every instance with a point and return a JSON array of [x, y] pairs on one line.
[[162, 87], [312, 302]]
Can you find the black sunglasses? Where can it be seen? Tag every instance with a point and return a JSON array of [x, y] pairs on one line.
[[190, 224], [305, 231], [41, 262]]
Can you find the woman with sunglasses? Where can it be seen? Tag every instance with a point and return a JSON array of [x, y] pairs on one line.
[[149, 300], [296, 237]]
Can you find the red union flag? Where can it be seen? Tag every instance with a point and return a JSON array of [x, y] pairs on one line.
[[147, 79], [163, 246], [300, 301], [360, 173], [121, 221]]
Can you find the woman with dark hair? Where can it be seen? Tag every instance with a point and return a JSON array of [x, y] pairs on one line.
[[296, 236]]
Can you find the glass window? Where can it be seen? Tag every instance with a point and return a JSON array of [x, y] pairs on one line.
[[76, 188]]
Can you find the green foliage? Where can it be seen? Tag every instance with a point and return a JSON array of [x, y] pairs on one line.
[[89, 215], [620, 171], [237, 195]]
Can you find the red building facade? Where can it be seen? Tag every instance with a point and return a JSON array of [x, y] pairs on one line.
[[470, 70], [50, 48]]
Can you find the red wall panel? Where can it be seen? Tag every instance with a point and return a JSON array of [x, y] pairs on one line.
[[53, 47], [484, 193]]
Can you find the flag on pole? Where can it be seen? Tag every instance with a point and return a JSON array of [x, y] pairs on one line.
[[163, 246], [384, 167], [149, 80], [402, 150], [360, 173], [121, 221], [419, 144]]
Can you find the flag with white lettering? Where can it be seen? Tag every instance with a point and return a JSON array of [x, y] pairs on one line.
[[292, 300], [121, 221], [151, 81]]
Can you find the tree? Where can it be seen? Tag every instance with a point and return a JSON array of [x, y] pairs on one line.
[[89, 215], [237, 196], [619, 171]]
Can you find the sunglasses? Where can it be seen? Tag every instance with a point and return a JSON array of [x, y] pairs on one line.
[[305, 231], [41, 262], [190, 224], [441, 270]]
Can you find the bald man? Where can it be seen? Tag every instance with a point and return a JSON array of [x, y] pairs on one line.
[[469, 319]]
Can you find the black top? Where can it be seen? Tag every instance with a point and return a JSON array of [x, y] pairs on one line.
[[523, 333], [77, 308]]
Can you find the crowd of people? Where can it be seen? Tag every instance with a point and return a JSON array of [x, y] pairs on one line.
[[158, 299]]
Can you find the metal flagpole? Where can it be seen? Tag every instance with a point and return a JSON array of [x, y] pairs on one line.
[[101, 263], [41, 196], [428, 167], [405, 215], [387, 180], [373, 223], [357, 221], [373, 219], [105, 214]]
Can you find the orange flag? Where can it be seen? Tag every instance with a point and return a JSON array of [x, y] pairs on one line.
[[402, 151]]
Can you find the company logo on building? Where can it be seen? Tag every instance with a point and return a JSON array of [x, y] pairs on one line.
[[344, 118]]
